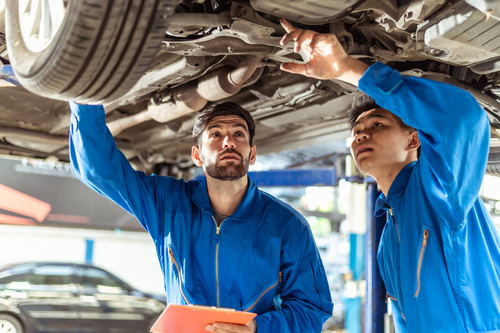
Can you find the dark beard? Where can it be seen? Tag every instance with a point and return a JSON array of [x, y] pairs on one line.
[[231, 171]]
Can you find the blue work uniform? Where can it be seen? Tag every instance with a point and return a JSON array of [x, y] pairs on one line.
[[439, 253], [262, 259]]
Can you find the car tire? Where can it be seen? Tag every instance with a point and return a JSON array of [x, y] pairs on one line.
[[10, 324], [493, 166], [99, 51]]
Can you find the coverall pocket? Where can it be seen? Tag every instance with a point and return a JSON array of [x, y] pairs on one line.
[[427, 286], [178, 271], [421, 253], [252, 305], [320, 281], [390, 296]]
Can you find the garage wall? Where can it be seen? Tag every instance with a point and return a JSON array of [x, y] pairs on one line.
[[129, 255]]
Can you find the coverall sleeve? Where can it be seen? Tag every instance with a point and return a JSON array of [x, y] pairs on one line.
[[453, 130], [98, 163], [305, 296]]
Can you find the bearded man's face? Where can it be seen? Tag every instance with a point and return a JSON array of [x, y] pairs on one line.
[[228, 165], [225, 151]]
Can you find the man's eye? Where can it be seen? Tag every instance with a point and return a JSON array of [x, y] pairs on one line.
[[215, 134], [239, 134], [355, 133], [377, 125]]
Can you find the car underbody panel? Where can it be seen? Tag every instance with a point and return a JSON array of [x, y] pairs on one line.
[[229, 50]]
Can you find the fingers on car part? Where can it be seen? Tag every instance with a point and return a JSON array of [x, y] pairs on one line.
[[305, 40], [294, 68], [293, 35], [287, 25]]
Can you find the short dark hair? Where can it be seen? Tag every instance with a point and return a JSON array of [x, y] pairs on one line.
[[365, 103], [221, 109]]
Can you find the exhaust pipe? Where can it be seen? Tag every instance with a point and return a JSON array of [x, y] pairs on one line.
[[193, 96], [35, 136]]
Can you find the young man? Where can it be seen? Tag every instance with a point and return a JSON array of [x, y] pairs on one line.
[[220, 241], [439, 252]]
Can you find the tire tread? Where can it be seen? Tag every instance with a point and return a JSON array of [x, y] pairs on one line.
[[105, 48]]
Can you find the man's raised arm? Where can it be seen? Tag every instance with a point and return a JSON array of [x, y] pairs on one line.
[[453, 128], [98, 163]]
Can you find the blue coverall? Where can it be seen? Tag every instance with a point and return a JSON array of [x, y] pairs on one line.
[[262, 259], [439, 254]]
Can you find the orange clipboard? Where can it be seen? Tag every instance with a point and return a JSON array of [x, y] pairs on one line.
[[194, 318]]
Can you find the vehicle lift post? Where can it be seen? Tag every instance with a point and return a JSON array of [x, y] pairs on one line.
[[375, 306]]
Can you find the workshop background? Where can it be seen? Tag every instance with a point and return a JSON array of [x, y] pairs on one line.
[[46, 214], [53, 51]]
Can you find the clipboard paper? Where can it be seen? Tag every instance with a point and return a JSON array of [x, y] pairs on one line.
[[194, 318]]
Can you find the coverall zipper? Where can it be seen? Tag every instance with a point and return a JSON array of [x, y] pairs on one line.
[[217, 230], [424, 244], [396, 223], [387, 296], [264, 292], [171, 253]]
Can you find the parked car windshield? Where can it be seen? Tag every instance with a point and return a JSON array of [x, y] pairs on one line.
[[102, 282], [46, 277], [51, 277], [13, 274]]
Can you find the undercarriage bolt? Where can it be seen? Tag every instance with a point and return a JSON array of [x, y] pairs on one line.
[[435, 52], [242, 12], [156, 98]]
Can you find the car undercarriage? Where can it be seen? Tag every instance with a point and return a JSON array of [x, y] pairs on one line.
[[193, 53]]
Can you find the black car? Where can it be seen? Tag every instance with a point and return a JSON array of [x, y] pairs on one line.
[[67, 297]]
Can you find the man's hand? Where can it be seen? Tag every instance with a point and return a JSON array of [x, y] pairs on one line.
[[327, 58], [251, 327]]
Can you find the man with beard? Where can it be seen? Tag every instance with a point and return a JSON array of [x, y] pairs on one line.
[[220, 241]]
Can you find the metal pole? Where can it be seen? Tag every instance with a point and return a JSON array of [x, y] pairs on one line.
[[89, 251], [375, 306]]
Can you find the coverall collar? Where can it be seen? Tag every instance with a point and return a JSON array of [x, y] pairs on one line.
[[246, 209], [398, 185]]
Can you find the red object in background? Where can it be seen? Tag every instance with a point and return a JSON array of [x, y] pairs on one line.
[[194, 319], [9, 219], [20, 203]]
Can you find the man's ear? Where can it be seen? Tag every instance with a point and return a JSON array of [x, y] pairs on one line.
[[414, 141], [196, 156], [253, 155]]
